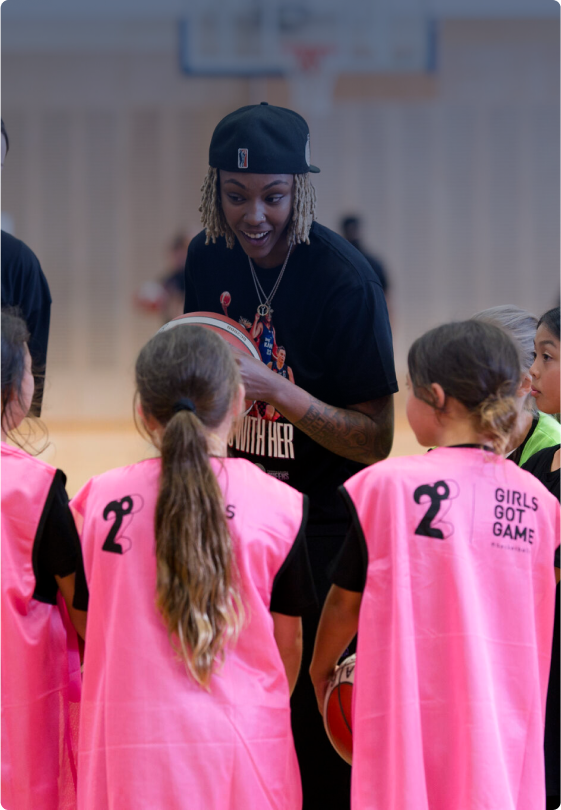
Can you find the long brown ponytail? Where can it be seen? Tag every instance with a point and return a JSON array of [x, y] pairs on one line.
[[197, 590]]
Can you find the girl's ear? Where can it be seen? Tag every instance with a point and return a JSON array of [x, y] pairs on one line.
[[525, 385], [439, 396], [147, 419]]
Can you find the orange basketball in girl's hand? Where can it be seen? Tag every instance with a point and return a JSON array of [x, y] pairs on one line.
[[337, 709], [233, 333]]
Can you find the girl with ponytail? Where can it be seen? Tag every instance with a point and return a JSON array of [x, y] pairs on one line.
[[447, 576], [198, 576]]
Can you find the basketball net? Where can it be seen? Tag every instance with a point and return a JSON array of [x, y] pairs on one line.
[[311, 79]]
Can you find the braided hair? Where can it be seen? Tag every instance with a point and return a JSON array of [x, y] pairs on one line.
[[214, 221]]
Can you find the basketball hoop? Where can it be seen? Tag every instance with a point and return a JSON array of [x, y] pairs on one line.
[[311, 78], [309, 55]]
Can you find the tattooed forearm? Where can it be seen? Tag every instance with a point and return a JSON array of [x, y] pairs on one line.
[[364, 435], [362, 432]]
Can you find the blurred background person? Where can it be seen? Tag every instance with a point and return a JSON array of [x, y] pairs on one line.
[[351, 229], [166, 296]]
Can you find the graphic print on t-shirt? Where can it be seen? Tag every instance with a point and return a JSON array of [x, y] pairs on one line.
[[264, 431], [123, 510], [279, 365], [432, 523], [225, 301]]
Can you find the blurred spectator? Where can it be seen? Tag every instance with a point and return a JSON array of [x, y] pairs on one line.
[[167, 295], [24, 286], [351, 230]]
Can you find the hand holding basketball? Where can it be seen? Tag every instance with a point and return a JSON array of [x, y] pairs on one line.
[[337, 708], [258, 379], [320, 688]]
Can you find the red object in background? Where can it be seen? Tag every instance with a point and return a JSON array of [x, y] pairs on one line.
[[151, 297]]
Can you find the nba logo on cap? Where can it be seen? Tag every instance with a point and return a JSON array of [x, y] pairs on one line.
[[242, 158]]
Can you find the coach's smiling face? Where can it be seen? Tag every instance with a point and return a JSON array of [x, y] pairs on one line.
[[258, 208]]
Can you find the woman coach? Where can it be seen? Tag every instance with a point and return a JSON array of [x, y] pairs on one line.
[[317, 297]]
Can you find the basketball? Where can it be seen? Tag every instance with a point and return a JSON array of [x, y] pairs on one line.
[[232, 332], [337, 709]]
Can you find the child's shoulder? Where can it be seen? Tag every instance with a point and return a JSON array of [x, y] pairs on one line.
[[9, 451], [119, 477], [432, 465], [393, 469], [262, 482]]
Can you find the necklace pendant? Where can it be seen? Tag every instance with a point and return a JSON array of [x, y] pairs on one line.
[[265, 309]]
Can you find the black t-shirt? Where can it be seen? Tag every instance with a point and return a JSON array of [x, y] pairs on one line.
[[540, 466], [516, 454], [330, 316], [349, 568], [56, 549], [293, 591], [24, 286]]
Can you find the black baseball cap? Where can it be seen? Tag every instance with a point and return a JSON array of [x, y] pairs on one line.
[[262, 139]]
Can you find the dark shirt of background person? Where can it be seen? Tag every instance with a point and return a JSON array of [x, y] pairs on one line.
[[24, 286], [351, 230]]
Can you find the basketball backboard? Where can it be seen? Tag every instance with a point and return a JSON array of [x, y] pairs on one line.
[[276, 37]]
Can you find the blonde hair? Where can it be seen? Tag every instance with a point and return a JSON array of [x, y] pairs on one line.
[[496, 418], [214, 221], [197, 586]]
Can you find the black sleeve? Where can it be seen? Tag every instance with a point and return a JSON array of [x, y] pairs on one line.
[[348, 570], [24, 286], [516, 454], [57, 550], [356, 321], [36, 309], [293, 588], [539, 464]]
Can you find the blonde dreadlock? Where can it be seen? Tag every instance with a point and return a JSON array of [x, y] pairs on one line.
[[303, 211]]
